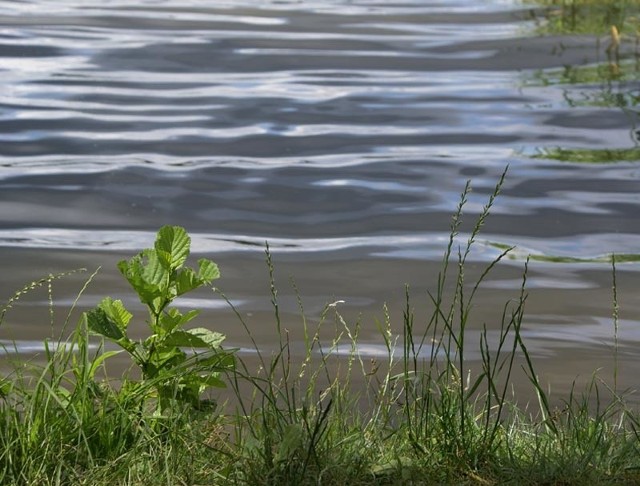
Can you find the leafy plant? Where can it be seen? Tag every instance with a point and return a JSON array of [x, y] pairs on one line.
[[159, 275]]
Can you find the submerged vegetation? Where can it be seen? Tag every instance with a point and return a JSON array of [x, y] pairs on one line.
[[589, 16], [593, 156], [419, 416], [607, 78]]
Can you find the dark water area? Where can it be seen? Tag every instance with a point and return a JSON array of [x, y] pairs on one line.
[[341, 132]]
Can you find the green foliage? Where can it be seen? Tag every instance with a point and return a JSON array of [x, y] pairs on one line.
[[158, 275], [588, 16], [424, 413], [420, 415], [591, 156]]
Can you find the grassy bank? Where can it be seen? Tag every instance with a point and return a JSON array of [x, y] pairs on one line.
[[418, 416]]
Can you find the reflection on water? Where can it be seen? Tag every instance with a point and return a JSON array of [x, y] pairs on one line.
[[340, 131], [587, 16], [593, 156], [608, 82], [600, 85], [522, 253]]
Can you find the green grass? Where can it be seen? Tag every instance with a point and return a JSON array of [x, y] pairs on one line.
[[418, 416]]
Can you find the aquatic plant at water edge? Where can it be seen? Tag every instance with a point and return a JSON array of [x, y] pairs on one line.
[[158, 275]]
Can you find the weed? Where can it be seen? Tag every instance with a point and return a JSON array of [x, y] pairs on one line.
[[158, 276]]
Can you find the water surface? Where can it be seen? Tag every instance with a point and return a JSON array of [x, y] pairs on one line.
[[341, 132]]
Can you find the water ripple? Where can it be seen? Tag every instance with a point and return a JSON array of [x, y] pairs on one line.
[[341, 131]]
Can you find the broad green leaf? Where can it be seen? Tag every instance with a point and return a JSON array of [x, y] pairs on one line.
[[195, 338], [186, 280], [133, 271], [172, 245], [212, 339], [207, 270], [167, 357], [116, 312], [99, 323], [173, 319], [154, 271], [147, 277]]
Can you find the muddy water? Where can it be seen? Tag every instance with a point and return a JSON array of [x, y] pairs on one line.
[[341, 132]]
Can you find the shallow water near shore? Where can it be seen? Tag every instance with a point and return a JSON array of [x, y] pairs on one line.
[[342, 133]]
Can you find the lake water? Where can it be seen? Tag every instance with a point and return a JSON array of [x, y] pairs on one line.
[[340, 131]]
